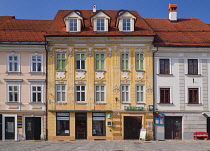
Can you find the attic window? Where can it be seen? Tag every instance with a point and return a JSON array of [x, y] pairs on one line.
[[126, 24], [100, 24]]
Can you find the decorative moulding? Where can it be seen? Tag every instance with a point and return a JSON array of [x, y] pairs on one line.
[[139, 50], [90, 51], [80, 82], [116, 89], [70, 51], [80, 75], [100, 50], [125, 75], [80, 50], [60, 75], [100, 82], [125, 50], [100, 75], [110, 51], [140, 75], [149, 89], [63, 50]]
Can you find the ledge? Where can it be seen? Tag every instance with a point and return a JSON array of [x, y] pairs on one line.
[[13, 103], [13, 80], [36, 103], [100, 103], [61, 103], [165, 75], [37, 73], [98, 70], [140, 70], [81, 102], [199, 104], [60, 70], [125, 70], [193, 75], [80, 70], [8, 72], [165, 103]]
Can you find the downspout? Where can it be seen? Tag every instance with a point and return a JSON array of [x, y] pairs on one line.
[[46, 97], [154, 92]]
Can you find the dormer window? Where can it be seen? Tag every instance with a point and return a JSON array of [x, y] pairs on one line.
[[100, 24], [73, 24], [126, 24]]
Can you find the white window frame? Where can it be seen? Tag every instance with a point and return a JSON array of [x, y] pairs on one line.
[[80, 92], [126, 24], [80, 61], [8, 62], [18, 92], [98, 28], [60, 91], [127, 93], [61, 60], [100, 60], [138, 60], [74, 26], [141, 92], [36, 93], [36, 62], [128, 60], [100, 91]]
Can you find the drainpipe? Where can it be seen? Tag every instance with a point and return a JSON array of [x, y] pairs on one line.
[[46, 97], [154, 92]]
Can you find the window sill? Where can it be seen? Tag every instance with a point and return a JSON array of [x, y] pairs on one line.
[[80, 70], [100, 103], [165, 103], [13, 103], [125, 102], [99, 70], [37, 73], [61, 103], [140, 103], [189, 104], [81, 102], [165, 75], [11, 72], [36, 103], [193, 75], [60, 70], [125, 70], [140, 70]]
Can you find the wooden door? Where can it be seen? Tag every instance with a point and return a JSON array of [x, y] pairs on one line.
[[173, 127]]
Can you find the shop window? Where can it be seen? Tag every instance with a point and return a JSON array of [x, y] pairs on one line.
[[99, 127], [62, 124]]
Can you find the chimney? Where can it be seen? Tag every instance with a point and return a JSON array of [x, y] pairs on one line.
[[172, 8], [94, 8]]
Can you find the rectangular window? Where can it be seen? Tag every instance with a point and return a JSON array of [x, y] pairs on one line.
[[60, 93], [73, 24], [139, 61], [13, 63], [164, 66], [99, 93], [139, 93], [100, 61], [100, 24], [126, 24], [80, 91], [60, 60], [125, 93], [80, 61], [13, 93], [62, 124], [193, 96], [99, 127], [36, 93], [164, 95], [124, 61], [36, 63], [193, 66]]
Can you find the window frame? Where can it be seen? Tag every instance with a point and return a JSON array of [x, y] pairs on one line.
[[194, 72], [138, 61], [163, 100], [80, 93], [13, 62], [100, 61], [127, 94], [61, 91], [73, 23], [165, 68], [125, 61], [100, 25], [36, 62], [80, 61], [60, 59], [198, 94], [140, 92], [100, 91], [8, 92], [36, 93], [125, 28]]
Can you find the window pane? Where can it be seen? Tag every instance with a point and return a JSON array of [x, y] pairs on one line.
[[82, 64], [39, 97], [39, 67], [10, 96], [97, 96], [58, 96], [78, 96], [34, 97], [16, 96], [102, 96], [83, 96], [63, 96]]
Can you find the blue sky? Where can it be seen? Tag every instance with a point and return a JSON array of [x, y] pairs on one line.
[[47, 9]]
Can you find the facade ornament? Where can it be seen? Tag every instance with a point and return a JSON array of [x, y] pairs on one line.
[[110, 51], [60, 75], [50, 48], [115, 48], [80, 75], [139, 50], [100, 75], [149, 48], [125, 75], [116, 89], [149, 89], [90, 51], [140, 75], [70, 51]]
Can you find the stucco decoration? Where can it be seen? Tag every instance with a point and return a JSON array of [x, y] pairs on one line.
[[110, 51], [99, 75], [139, 50], [90, 51], [70, 51], [149, 89], [61, 75], [116, 89], [125, 75], [115, 48], [140, 75], [60, 50], [149, 48], [80, 75]]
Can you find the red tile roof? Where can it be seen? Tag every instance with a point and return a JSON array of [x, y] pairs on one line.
[[184, 32]]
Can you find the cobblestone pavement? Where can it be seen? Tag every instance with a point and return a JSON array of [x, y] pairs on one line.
[[124, 145]]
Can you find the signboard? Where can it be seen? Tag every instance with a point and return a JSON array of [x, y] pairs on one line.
[[63, 118], [98, 114], [99, 118], [142, 134], [133, 108], [159, 118]]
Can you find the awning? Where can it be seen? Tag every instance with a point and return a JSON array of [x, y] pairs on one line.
[[206, 114]]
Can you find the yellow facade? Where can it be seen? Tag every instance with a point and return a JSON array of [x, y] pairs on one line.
[[112, 78]]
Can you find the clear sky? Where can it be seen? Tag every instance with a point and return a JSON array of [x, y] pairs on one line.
[[47, 9]]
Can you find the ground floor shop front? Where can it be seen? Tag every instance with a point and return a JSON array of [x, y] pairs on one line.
[[22, 126], [98, 125], [181, 126]]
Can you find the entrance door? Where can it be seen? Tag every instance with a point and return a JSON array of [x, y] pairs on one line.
[[33, 128], [132, 126], [173, 127], [9, 128], [81, 125]]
